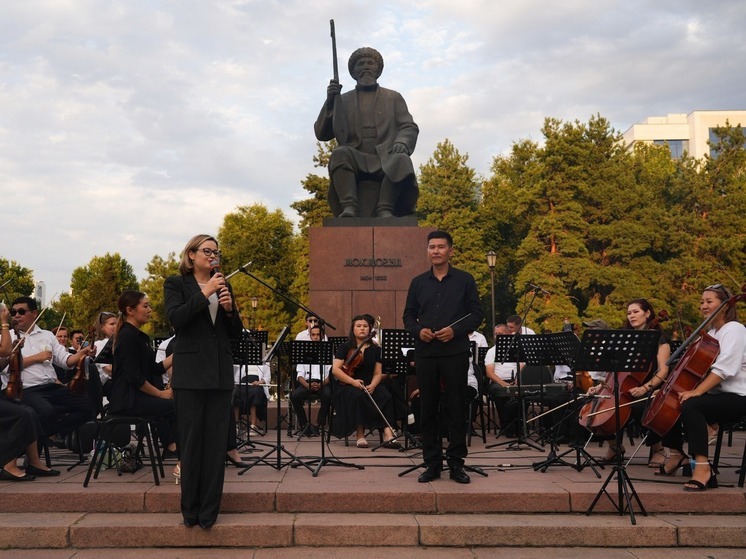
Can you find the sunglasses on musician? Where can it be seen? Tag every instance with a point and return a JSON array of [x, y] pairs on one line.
[[19, 312]]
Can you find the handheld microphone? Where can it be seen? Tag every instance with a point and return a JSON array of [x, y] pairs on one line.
[[214, 269], [537, 288]]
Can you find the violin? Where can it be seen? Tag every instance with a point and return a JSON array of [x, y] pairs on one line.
[[700, 353], [355, 356], [603, 420], [77, 384], [14, 389]]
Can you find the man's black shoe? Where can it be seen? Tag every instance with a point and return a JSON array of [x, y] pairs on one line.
[[459, 475], [429, 475]]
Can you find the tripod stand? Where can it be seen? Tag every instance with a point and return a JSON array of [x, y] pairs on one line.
[[618, 351], [320, 354], [247, 350], [396, 346], [562, 348], [277, 448]]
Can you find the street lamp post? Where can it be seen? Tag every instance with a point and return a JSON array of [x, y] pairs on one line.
[[491, 261], [254, 302]]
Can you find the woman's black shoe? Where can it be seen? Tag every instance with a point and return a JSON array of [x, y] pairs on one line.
[[190, 522], [38, 472], [7, 476], [206, 524], [236, 463]]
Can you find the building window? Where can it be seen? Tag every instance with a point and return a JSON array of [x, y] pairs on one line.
[[675, 147]]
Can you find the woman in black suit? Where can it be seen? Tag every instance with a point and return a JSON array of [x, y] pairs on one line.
[[200, 307]]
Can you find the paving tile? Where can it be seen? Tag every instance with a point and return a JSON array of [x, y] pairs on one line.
[[33, 497]]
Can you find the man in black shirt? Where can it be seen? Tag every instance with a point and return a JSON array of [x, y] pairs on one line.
[[442, 308]]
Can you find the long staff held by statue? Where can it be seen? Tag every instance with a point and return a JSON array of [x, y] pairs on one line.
[[339, 118]]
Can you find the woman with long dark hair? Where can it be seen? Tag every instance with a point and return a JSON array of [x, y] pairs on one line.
[[354, 408], [136, 386], [721, 396], [201, 309]]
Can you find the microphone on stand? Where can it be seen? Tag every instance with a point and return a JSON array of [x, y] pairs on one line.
[[245, 269], [538, 288]]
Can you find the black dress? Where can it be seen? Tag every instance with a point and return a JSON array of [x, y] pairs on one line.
[[17, 429], [352, 407]]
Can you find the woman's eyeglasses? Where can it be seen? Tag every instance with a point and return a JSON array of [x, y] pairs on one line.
[[209, 252]]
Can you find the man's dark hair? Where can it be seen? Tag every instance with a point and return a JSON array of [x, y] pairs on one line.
[[30, 302], [441, 235], [514, 319]]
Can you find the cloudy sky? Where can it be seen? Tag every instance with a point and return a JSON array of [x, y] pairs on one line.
[[130, 125]]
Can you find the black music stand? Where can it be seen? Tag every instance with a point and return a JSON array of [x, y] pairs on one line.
[[317, 353], [510, 348], [247, 350], [278, 447], [394, 347], [309, 353], [618, 351], [562, 349]]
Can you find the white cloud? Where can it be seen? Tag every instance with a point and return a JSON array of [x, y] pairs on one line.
[[128, 126]]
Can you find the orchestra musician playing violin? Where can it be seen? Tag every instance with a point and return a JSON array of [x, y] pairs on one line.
[[720, 396], [358, 369], [640, 316], [59, 410]]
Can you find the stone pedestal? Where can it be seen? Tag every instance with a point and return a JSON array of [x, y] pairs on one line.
[[364, 269]]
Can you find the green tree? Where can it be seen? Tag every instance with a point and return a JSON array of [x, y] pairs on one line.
[[95, 288], [16, 280], [158, 270], [254, 234]]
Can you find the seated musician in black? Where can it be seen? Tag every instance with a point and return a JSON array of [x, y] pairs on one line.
[[313, 382], [354, 407]]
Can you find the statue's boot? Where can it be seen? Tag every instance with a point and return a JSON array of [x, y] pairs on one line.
[[386, 199], [346, 188]]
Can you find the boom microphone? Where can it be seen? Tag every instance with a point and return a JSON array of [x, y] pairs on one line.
[[537, 288], [245, 269]]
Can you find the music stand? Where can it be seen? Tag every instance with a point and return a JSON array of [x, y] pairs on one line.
[[278, 447], [562, 349], [510, 348], [309, 353], [394, 347], [317, 353], [246, 351], [618, 351]]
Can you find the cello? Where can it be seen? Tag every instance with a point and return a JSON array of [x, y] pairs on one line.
[[599, 415], [699, 353]]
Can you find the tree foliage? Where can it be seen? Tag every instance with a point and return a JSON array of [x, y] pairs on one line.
[[95, 288], [254, 234], [158, 270]]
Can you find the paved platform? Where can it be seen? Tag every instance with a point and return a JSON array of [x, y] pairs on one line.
[[268, 512]]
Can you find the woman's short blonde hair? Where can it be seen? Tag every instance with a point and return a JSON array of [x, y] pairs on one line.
[[186, 266]]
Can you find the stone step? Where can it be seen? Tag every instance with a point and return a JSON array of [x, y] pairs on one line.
[[344, 492], [283, 530]]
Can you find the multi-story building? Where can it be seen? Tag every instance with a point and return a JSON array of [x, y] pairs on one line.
[[683, 133]]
